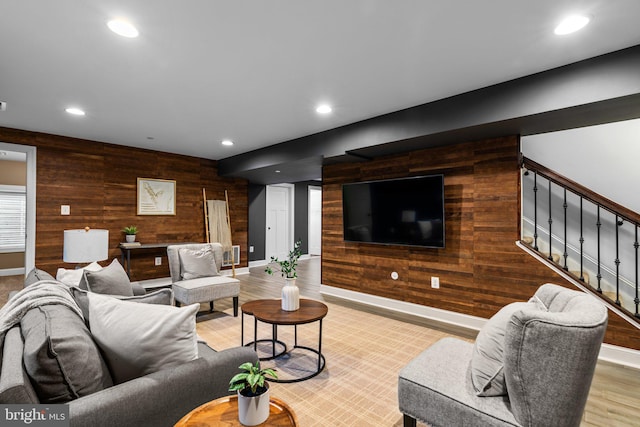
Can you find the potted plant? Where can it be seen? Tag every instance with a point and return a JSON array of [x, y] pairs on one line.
[[287, 268], [253, 393], [130, 233]]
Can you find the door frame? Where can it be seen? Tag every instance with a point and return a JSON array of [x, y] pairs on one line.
[[30, 240], [311, 188], [291, 211]]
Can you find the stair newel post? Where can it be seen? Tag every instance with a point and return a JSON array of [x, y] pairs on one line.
[[581, 244], [566, 254], [618, 224], [535, 210], [636, 245], [550, 257], [598, 225]]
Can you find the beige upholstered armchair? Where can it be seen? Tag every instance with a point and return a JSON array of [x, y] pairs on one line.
[[532, 365], [195, 272]]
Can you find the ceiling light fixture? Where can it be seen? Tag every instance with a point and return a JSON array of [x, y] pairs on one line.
[[74, 111], [227, 142], [277, 171], [123, 28], [571, 24], [324, 109]]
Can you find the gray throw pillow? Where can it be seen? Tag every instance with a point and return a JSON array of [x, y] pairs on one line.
[[111, 280], [196, 263], [60, 356], [138, 339], [487, 360], [161, 296], [35, 275]]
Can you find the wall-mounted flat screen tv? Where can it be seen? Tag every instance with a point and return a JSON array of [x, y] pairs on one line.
[[405, 211]]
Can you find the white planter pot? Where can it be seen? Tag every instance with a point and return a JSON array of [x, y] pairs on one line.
[[290, 295], [130, 238], [253, 410]]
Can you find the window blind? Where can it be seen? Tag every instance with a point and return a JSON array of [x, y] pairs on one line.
[[13, 212]]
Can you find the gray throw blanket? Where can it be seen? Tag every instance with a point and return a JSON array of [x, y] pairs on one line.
[[44, 292]]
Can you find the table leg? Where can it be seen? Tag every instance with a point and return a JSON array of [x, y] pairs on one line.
[[255, 334], [274, 338], [129, 263], [295, 335], [242, 331], [320, 347]]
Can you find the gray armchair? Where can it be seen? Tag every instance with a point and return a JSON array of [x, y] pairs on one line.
[[197, 279], [549, 360]]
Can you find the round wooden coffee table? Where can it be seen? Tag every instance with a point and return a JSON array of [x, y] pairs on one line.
[[224, 412], [270, 311]]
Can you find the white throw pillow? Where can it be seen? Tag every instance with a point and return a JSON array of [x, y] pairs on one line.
[[138, 339], [196, 263], [487, 360], [72, 277]]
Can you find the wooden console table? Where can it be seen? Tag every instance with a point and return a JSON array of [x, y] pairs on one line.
[[149, 247]]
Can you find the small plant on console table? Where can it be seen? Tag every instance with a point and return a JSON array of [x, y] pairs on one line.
[[130, 233], [287, 268], [253, 393]]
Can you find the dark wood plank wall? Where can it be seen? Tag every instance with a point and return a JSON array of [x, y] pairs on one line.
[[99, 182], [481, 269]]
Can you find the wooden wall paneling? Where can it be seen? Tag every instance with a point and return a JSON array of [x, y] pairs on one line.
[[481, 269], [99, 182]]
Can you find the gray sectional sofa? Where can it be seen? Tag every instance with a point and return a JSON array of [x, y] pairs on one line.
[[49, 355]]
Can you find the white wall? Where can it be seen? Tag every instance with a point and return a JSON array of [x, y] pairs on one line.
[[604, 158]]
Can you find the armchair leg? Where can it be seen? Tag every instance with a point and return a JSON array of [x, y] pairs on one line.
[[210, 306], [409, 421], [235, 306]]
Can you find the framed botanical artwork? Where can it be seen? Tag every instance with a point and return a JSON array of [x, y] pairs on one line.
[[156, 196]]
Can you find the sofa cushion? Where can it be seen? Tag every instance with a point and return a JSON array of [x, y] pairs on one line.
[[73, 277], [111, 280], [161, 296], [487, 363], [35, 275], [197, 263], [137, 339], [59, 355]]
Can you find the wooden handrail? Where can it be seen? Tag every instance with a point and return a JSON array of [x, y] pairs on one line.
[[582, 191]]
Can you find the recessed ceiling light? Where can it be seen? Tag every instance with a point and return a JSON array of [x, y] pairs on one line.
[[277, 171], [324, 109], [74, 111], [227, 142], [123, 28], [571, 24]]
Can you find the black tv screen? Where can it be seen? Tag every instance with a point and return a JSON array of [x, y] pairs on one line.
[[406, 211]]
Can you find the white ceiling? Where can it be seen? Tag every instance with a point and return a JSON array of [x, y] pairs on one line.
[[253, 71]]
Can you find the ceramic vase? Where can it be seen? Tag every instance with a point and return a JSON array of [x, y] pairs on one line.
[[290, 295], [253, 410], [130, 238]]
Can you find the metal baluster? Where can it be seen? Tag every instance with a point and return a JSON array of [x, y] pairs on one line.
[[564, 206], [550, 257], [581, 243], [598, 225], [618, 224], [636, 245], [535, 210]]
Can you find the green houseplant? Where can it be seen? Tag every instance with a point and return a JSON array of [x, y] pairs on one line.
[[130, 233], [253, 393], [287, 268]]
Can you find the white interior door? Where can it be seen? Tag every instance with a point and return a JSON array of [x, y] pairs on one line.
[[315, 221], [278, 241]]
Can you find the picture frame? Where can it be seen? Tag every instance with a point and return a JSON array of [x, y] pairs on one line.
[[156, 196]]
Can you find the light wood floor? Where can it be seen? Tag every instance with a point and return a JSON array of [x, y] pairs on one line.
[[358, 338]]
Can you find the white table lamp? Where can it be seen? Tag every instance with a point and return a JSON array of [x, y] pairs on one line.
[[85, 245]]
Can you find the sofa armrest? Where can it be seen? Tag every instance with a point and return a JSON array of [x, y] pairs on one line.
[[163, 397]]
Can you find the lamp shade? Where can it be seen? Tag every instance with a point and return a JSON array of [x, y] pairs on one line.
[[85, 245]]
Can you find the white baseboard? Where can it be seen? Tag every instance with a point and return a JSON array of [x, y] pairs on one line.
[[12, 271], [263, 262], [609, 353]]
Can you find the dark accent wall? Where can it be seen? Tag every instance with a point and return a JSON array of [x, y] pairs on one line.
[[257, 221], [481, 269], [99, 182]]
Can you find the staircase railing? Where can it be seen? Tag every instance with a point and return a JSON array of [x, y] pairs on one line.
[[608, 227]]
